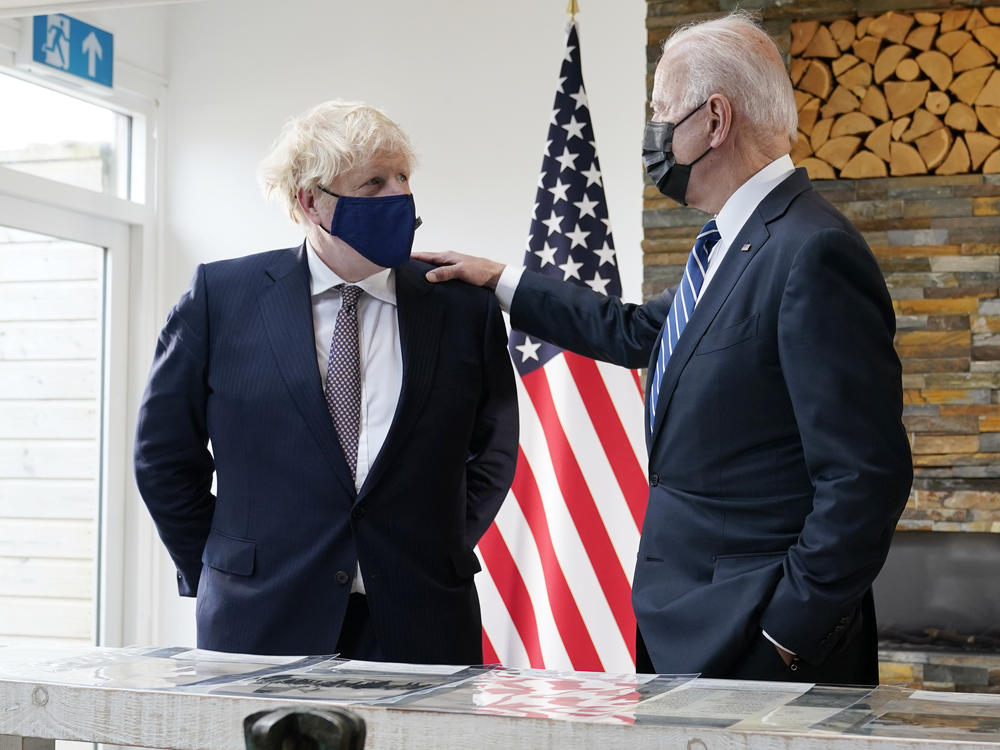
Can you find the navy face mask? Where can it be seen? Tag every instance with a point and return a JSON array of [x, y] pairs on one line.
[[380, 229], [670, 178]]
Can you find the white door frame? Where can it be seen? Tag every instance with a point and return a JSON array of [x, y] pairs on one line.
[[24, 207]]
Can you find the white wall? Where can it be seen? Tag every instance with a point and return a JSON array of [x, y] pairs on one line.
[[471, 81], [140, 41]]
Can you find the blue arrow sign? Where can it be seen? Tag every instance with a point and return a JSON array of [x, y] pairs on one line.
[[74, 47]]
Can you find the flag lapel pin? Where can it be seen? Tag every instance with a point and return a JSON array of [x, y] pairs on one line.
[[745, 248]]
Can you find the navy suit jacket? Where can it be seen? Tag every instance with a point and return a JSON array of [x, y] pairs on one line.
[[778, 463], [270, 557]]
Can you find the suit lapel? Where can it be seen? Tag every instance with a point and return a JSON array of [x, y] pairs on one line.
[[754, 233], [286, 309], [420, 322]]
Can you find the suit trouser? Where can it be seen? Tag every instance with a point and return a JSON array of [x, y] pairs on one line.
[[357, 634]]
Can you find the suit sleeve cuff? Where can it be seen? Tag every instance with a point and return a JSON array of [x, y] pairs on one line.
[[766, 635], [507, 285]]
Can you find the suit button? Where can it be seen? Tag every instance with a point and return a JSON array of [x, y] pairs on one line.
[[654, 479], [342, 577], [358, 512], [179, 576]]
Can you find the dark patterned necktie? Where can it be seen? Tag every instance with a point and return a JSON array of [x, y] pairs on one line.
[[343, 375], [682, 307]]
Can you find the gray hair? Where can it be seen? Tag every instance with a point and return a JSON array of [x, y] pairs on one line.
[[735, 57], [328, 140]]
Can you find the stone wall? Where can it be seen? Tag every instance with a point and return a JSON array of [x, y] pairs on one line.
[[944, 670], [937, 240]]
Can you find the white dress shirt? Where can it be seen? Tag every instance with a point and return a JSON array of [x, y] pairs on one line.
[[380, 350], [729, 220], [739, 207]]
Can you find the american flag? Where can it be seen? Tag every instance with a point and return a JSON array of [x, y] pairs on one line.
[[556, 591]]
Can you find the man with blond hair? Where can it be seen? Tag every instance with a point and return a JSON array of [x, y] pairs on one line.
[[778, 463], [362, 421]]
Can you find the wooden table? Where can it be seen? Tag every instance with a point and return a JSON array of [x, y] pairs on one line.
[[97, 695]]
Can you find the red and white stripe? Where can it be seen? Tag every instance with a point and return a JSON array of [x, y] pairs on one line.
[[558, 561]]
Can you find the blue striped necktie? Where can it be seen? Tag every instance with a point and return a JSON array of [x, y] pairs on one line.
[[682, 307]]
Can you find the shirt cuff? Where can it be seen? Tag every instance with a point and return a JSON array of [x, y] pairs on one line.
[[507, 285], [777, 644]]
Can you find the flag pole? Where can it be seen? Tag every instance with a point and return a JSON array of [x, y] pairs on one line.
[[572, 8]]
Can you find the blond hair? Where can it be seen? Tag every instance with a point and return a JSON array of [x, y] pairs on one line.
[[735, 57], [328, 140]]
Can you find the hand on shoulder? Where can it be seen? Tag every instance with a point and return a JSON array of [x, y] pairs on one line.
[[467, 268]]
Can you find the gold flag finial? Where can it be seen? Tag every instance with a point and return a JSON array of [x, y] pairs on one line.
[[572, 8]]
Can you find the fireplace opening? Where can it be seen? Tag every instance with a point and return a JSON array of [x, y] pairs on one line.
[[941, 590]]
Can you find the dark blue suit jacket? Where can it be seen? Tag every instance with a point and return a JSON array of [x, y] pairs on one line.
[[270, 557], [778, 463]]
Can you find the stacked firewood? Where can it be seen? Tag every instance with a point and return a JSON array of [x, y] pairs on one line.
[[898, 94]]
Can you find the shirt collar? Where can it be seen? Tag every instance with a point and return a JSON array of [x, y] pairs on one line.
[[322, 278], [744, 201]]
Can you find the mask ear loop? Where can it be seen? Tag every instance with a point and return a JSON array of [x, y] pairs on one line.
[[703, 155], [335, 195], [676, 124], [329, 192]]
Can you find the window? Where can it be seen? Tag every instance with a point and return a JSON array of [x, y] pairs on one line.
[[64, 138]]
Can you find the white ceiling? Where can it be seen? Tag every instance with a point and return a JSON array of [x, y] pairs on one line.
[[15, 8]]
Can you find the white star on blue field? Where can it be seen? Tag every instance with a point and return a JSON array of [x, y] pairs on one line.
[[570, 236]]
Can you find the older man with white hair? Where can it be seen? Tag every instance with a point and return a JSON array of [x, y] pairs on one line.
[[363, 422], [778, 463]]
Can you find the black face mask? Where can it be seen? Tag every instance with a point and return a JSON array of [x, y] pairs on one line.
[[670, 178]]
